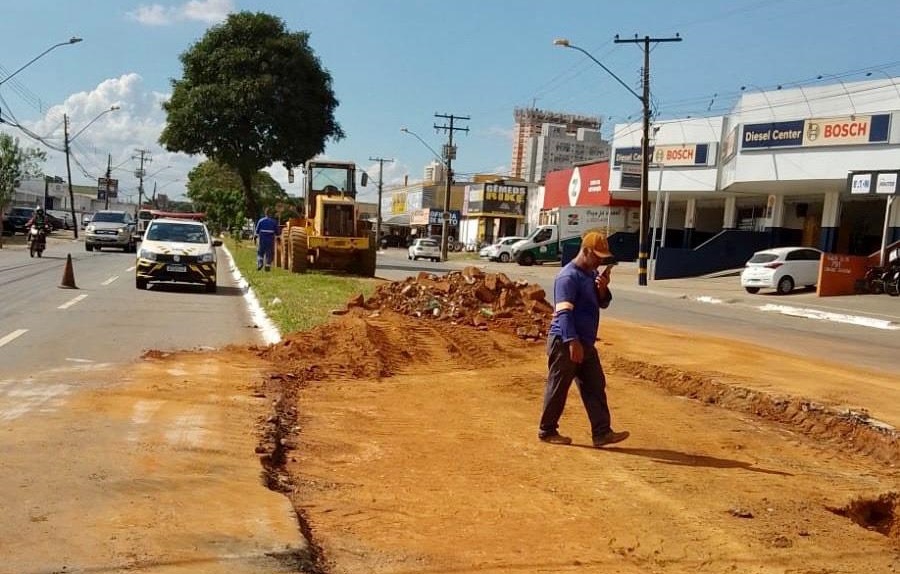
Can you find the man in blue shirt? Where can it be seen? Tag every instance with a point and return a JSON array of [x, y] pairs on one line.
[[266, 231], [579, 292]]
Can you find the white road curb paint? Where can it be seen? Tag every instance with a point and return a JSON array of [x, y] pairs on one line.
[[12, 336], [267, 328], [836, 317], [65, 306], [130, 269], [708, 299], [110, 280]]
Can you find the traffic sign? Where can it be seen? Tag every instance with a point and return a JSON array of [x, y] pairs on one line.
[[107, 188]]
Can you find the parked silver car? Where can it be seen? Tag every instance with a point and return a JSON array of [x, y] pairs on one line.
[[111, 229]]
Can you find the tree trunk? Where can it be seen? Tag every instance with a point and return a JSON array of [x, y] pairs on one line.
[[251, 201]]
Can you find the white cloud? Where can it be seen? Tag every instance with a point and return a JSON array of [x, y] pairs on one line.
[[136, 125], [208, 11]]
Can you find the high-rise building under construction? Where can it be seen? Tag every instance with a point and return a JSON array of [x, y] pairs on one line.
[[529, 123]]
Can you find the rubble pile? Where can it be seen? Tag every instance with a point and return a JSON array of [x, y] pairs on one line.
[[468, 297]]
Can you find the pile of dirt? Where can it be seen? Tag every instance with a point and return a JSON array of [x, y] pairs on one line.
[[347, 347], [468, 297]]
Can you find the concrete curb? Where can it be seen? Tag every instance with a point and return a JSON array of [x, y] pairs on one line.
[[267, 328]]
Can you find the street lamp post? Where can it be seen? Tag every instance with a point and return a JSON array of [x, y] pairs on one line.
[[644, 98], [72, 40], [446, 190], [68, 141]]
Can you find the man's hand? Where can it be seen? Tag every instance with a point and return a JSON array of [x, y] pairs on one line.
[[602, 281], [576, 351]]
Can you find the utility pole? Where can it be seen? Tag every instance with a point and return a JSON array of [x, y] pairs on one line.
[[449, 155], [139, 173], [643, 250], [380, 161], [69, 172], [108, 175]]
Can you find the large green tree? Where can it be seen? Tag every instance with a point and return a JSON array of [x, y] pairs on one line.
[[16, 162], [252, 94], [217, 190]]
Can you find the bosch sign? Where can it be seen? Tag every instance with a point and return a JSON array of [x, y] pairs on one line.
[[851, 130], [847, 130]]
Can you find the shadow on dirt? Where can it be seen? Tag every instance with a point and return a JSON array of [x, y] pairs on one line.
[[674, 457]]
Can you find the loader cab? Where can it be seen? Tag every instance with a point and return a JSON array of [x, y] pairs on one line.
[[329, 179], [331, 198]]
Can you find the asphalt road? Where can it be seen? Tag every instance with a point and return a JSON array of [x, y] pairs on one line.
[[824, 340], [106, 319]]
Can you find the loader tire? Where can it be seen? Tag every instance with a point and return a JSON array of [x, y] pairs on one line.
[[299, 250], [368, 258]]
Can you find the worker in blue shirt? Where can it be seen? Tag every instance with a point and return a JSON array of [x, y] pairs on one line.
[[579, 292], [267, 230]]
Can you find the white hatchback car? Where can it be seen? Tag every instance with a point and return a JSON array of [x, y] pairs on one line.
[[500, 250], [424, 248], [782, 269]]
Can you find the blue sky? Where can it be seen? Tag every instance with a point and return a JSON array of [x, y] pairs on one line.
[[397, 62]]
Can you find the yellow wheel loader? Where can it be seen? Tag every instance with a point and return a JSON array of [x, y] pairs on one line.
[[331, 235]]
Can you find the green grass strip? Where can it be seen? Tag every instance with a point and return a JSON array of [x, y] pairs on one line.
[[306, 299]]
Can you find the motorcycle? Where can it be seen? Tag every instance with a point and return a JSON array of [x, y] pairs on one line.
[[37, 240]]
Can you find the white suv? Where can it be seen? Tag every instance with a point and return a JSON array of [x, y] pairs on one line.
[[110, 229]]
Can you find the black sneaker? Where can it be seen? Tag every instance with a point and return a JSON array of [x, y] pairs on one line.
[[611, 438], [556, 438]]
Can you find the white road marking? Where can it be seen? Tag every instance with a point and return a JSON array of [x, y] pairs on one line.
[[142, 414], [12, 336], [28, 397], [826, 316], [79, 360], [132, 268], [81, 297], [110, 280], [187, 430]]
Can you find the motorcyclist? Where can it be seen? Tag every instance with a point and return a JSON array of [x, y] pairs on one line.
[[39, 219]]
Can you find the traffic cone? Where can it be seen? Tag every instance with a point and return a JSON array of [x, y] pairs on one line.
[[68, 280]]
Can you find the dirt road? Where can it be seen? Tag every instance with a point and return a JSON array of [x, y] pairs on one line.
[[408, 444], [411, 447]]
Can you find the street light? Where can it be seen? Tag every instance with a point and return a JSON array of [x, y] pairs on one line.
[[68, 142], [100, 115], [424, 143], [448, 175], [645, 143], [72, 40]]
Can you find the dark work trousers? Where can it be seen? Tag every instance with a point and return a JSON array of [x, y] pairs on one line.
[[265, 251], [591, 382]]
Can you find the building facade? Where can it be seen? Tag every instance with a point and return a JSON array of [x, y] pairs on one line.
[[555, 147], [529, 122], [776, 168]]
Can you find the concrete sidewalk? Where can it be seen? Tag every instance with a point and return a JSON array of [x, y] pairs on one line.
[[879, 311]]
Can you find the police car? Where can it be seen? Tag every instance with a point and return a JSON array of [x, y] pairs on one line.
[[177, 251]]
